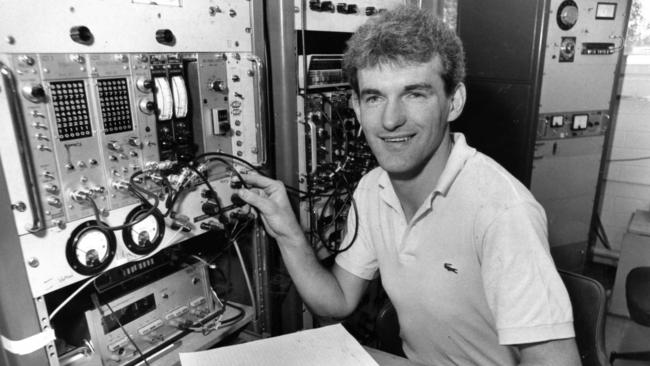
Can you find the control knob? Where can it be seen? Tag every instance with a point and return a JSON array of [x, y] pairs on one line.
[[81, 34], [218, 86], [54, 201], [327, 6], [165, 36], [146, 106], [135, 142], [144, 85], [34, 93], [114, 145], [51, 188]]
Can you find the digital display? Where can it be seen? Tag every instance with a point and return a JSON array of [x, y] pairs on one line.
[[579, 122], [606, 11], [557, 121], [128, 313]]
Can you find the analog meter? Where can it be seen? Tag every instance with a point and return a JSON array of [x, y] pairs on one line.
[[567, 14], [145, 236], [90, 249]]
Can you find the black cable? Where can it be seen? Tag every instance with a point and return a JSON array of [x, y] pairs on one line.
[[356, 226], [205, 181], [329, 194], [249, 165], [233, 319], [140, 218]]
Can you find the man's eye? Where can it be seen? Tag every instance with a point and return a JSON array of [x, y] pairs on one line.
[[416, 95], [372, 99]]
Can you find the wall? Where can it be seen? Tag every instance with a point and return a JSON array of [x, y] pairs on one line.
[[627, 185]]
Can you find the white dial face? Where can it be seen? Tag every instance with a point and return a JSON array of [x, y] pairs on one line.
[[92, 248], [144, 232]]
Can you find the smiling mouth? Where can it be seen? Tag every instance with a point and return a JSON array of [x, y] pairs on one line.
[[397, 139]]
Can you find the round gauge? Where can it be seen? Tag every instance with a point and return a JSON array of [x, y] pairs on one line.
[[90, 249], [567, 14], [145, 236]]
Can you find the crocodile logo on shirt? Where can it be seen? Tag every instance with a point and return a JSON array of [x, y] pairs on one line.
[[449, 268]]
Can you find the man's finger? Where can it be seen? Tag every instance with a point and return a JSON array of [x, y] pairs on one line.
[[254, 199], [257, 180]]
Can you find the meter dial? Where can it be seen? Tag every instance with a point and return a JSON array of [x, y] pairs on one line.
[[145, 236], [90, 249], [567, 15]]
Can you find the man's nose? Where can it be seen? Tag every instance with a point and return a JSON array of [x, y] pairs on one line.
[[394, 115]]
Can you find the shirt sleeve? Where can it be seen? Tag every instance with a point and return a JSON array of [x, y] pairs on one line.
[[524, 290], [360, 259]]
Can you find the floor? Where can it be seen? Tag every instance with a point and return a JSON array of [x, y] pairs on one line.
[[621, 334]]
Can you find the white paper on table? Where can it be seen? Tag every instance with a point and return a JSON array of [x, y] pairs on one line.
[[331, 345]]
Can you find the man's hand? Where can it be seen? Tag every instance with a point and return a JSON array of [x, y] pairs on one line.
[[270, 198], [329, 294]]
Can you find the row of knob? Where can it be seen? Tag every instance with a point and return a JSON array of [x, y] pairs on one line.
[[36, 92], [343, 8]]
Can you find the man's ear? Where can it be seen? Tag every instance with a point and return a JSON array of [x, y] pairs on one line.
[[457, 102]]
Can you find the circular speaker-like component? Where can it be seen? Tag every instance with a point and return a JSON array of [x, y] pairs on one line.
[[145, 236], [567, 14], [90, 249]]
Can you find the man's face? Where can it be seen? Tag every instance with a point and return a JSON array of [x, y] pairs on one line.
[[403, 110]]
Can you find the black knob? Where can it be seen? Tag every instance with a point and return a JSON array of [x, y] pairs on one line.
[[314, 5], [218, 86], [211, 208], [81, 34], [165, 36], [145, 84], [37, 92], [34, 93], [327, 6]]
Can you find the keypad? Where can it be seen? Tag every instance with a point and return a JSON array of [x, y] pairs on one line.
[[70, 109], [114, 105]]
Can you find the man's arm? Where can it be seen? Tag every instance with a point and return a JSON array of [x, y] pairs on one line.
[[559, 352], [334, 294]]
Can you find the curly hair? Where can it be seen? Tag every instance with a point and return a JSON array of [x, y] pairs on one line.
[[403, 36]]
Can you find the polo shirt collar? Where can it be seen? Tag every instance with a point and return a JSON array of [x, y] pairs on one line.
[[459, 155]]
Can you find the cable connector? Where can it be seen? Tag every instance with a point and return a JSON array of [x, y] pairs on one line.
[[160, 165], [212, 226], [120, 185], [81, 195], [181, 222]]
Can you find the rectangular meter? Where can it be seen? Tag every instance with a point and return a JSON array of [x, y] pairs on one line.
[[606, 11]]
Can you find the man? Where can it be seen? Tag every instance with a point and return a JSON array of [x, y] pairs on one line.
[[460, 244]]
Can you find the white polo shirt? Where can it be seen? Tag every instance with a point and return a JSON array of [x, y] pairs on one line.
[[471, 273]]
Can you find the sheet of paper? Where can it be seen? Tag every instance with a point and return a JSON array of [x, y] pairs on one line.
[[326, 346]]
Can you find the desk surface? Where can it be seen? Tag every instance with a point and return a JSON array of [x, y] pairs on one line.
[[386, 359]]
